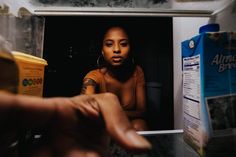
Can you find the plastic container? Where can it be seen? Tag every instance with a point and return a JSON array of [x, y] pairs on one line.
[[26, 33], [31, 73]]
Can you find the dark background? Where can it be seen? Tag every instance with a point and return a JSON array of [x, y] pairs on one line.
[[71, 48]]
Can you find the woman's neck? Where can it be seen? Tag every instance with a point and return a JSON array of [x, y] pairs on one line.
[[121, 73]]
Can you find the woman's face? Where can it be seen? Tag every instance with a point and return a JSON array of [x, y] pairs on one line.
[[115, 46]]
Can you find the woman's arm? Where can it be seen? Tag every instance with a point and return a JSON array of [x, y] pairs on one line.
[[89, 86]]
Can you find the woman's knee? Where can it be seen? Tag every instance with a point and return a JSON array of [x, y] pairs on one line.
[[139, 124]]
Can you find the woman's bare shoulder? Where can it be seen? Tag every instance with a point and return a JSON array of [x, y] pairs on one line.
[[95, 74]]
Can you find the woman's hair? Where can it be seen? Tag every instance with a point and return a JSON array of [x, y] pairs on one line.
[[107, 27]]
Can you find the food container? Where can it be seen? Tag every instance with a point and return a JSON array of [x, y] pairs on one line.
[[31, 73]]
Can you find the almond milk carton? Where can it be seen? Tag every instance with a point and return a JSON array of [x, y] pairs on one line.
[[209, 93]]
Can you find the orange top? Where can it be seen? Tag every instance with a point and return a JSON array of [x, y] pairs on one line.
[[128, 100]]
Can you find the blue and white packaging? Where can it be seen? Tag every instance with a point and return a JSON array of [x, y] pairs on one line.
[[209, 93]]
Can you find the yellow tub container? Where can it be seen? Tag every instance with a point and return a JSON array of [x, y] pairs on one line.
[[31, 73]]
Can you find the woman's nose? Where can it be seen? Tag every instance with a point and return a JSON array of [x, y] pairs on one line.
[[116, 49]]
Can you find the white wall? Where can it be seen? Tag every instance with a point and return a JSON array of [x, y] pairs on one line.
[[185, 28], [226, 18]]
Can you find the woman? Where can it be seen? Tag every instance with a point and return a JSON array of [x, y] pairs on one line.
[[120, 76]]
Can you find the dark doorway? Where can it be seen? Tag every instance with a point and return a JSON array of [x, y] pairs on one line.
[[71, 50]]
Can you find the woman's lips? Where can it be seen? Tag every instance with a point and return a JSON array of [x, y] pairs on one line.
[[117, 59]]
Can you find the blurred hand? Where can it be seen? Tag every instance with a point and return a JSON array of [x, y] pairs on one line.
[[82, 124], [79, 126]]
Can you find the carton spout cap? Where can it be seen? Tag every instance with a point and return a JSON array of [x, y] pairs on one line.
[[212, 27]]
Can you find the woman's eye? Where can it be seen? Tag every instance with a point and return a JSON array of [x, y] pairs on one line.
[[124, 44], [108, 44]]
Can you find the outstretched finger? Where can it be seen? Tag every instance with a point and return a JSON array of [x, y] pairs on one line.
[[118, 125]]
